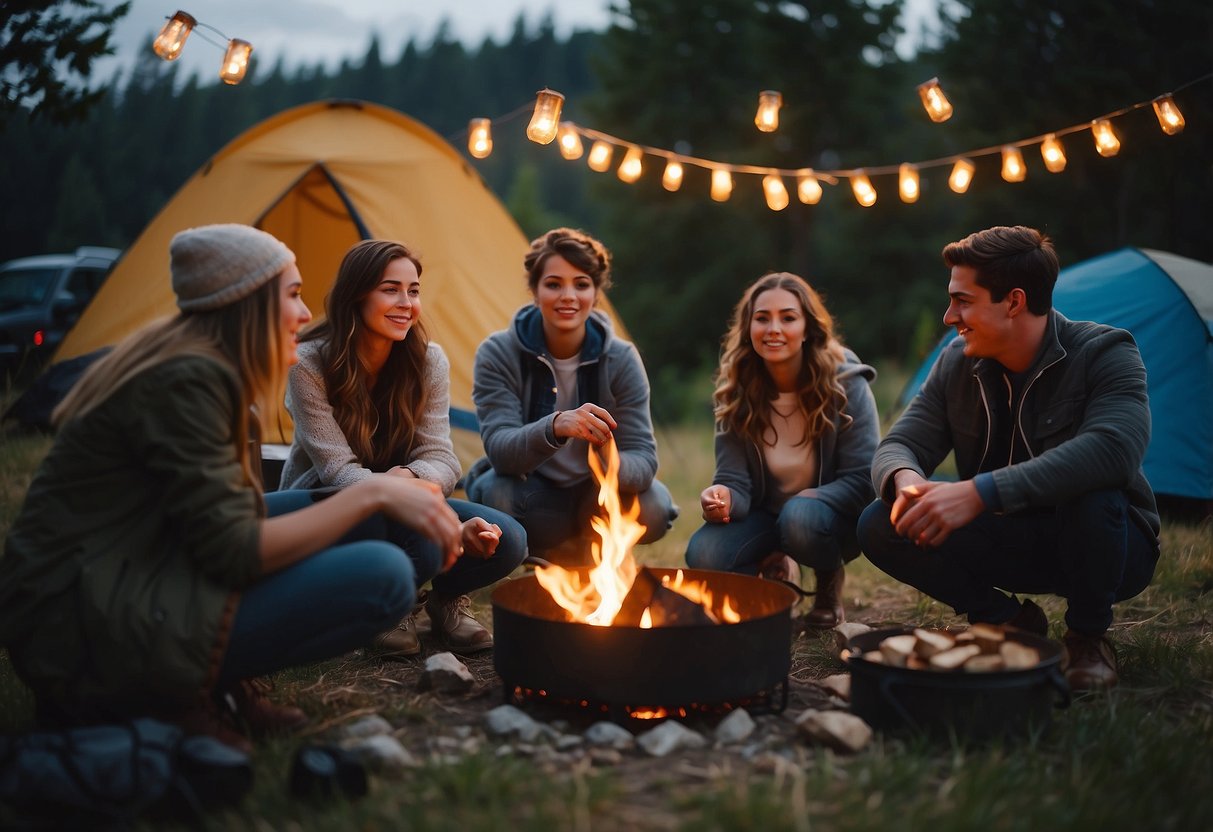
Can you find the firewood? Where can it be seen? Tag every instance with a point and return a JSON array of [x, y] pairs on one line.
[[988, 636], [917, 662], [843, 633], [1018, 656], [896, 649], [873, 656], [984, 663], [930, 642], [954, 658], [965, 637]]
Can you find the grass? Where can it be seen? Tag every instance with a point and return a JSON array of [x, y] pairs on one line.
[[1135, 758]]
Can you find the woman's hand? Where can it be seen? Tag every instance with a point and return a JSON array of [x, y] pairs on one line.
[[401, 471], [421, 505], [589, 422], [716, 502], [480, 537]]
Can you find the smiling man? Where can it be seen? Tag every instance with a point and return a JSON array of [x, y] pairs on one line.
[[1049, 421]]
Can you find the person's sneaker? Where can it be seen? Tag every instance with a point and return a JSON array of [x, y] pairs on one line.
[[398, 643], [1090, 662], [453, 625], [254, 709], [1031, 619], [827, 611]]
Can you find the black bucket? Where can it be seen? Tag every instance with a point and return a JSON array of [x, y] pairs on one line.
[[1000, 704]]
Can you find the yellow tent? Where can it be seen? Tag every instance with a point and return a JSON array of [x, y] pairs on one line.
[[321, 177]]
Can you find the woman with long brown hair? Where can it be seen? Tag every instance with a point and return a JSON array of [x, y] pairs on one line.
[[146, 574], [371, 393], [796, 427]]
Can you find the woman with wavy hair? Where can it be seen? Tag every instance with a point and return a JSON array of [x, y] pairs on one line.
[[796, 427], [371, 393], [146, 574]]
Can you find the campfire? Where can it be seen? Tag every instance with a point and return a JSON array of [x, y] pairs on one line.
[[639, 642]]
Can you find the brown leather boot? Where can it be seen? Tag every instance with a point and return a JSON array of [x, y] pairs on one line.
[[454, 627], [1090, 661], [262, 716], [827, 609]]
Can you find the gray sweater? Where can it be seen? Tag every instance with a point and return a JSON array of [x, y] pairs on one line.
[[320, 454]]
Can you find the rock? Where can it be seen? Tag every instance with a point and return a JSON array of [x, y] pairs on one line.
[[508, 721], [669, 737], [368, 726], [381, 753], [735, 727], [843, 633], [568, 742], [839, 730], [839, 684], [610, 735], [605, 757], [445, 674]]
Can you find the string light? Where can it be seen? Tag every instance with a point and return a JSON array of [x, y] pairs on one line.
[[808, 189], [936, 103], [1170, 119], [171, 41], [600, 155], [907, 182], [570, 141], [546, 118], [1106, 142], [767, 117], [671, 179], [775, 192], [962, 176], [1013, 168], [1053, 153], [865, 194], [631, 167], [722, 184], [480, 138]]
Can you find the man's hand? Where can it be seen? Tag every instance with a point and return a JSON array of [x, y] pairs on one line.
[[589, 422], [928, 512]]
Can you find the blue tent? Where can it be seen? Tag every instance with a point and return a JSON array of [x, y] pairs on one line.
[[1166, 301]]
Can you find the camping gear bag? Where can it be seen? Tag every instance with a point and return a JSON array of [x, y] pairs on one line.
[[114, 773]]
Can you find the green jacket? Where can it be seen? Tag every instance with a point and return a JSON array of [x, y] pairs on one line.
[[120, 576]]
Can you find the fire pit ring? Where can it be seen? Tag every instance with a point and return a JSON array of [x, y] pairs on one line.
[[537, 648]]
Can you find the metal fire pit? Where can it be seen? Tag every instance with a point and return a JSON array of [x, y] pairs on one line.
[[536, 648]]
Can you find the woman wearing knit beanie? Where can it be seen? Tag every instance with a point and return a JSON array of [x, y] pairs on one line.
[[371, 392], [146, 574]]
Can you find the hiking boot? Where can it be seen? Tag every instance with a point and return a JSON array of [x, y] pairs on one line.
[[453, 625], [398, 643], [208, 720], [1090, 661], [827, 609], [262, 717], [1030, 619]]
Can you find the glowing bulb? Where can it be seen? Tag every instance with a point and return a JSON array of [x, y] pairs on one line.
[[546, 117], [1170, 119], [631, 166], [235, 62], [767, 117], [671, 180], [808, 189], [569, 140], [962, 176], [1105, 137], [865, 194], [1053, 153], [172, 37], [600, 156], [722, 184], [907, 182], [480, 138], [936, 103], [1013, 168], [775, 191]]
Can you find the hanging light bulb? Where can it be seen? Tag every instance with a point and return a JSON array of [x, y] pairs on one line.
[[546, 117], [600, 156], [907, 182], [767, 117], [235, 62], [631, 166], [865, 194], [1053, 153], [480, 138], [1105, 137], [722, 184], [1170, 119], [937, 104], [569, 140], [962, 176], [808, 189], [775, 191], [671, 180], [1013, 168], [172, 37]]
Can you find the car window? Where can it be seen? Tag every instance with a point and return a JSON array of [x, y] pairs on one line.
[[84, 283], [26, 288]]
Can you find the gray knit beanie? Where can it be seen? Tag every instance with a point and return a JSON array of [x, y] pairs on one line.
[[214, 265]]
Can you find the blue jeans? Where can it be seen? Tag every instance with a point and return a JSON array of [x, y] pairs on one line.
[[1089, 551], [323, 606], [806, 528], [553, 514]]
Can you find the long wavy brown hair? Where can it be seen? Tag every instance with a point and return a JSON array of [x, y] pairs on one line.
[[744, 388], [244, 335], [380, 423]]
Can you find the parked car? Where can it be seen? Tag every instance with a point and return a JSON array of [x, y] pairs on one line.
[[42, 297]]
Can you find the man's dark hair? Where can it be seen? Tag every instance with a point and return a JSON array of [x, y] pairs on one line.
[[1009, 257]]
